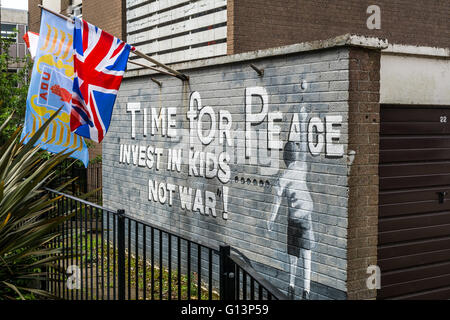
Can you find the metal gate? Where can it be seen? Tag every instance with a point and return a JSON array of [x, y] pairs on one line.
[[414, 202]]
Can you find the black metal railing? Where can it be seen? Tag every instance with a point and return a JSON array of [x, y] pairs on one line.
[[245, 283], [109, 255]]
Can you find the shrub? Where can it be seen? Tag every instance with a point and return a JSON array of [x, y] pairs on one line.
[[26, 227]]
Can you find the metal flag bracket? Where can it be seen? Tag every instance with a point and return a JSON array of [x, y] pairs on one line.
[[169, 71]]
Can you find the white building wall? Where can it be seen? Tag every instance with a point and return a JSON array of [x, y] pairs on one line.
[[14, 16], [177, 30], [422, 79]]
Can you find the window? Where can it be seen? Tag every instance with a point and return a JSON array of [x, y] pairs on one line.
[[14, 33], [9, 31]]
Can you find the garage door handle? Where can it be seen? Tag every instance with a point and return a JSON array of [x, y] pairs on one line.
[[442, 196]]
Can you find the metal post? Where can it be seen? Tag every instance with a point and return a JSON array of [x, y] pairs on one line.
[[227, 273], [177, 74], [72, 169], [86, 181], [121, 253], [44, 285]]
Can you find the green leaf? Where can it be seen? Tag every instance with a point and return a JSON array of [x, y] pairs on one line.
[[26, 226]]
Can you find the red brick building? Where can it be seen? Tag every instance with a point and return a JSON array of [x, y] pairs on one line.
[[257, 24], [260, 24]]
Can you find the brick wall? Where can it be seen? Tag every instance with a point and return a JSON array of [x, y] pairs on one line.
[[106, 14], [364, 126], [259, 24], [230, 27], [34, 15], [94, 150], [252, 193]]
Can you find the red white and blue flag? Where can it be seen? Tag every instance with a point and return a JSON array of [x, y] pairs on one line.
[[100, 60]]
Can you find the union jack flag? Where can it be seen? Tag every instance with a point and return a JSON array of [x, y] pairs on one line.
[[99, 63]]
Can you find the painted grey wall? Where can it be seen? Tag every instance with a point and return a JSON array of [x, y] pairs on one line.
[[314, 116]]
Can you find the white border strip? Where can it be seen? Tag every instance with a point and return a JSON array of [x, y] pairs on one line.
[[417, 50]]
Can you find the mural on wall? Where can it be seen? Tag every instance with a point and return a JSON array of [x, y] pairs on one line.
[[210, 155], [258, 163], [211, 147], [300, 235]]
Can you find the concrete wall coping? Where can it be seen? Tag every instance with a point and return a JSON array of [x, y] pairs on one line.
[[399, 49], [15, 16], [13, 10], [340, 41]]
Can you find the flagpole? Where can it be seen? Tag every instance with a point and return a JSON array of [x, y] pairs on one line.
[[146, 57], [151, 68], [173, 72], [55, 13]]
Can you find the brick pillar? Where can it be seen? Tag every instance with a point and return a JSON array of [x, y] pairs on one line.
[[364, 127], [108, 15], [34, 15], [230, 27]]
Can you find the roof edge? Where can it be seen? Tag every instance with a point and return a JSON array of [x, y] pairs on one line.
[[339, 41], [402, 49]]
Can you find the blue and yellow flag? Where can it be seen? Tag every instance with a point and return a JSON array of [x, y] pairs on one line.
[[51, 88]]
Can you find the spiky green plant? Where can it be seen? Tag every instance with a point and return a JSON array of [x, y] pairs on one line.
[[26, 228]]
